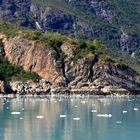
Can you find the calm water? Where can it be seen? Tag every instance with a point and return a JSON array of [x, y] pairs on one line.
[[70, 118]]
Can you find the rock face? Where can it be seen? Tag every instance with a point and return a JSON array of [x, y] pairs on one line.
[[129, 43], [25, 88], [33, 56], [16, 11], [29, 87], [86, 74], [5, 87], [51, 19], [24, 13], [100, 8], [89, 72]]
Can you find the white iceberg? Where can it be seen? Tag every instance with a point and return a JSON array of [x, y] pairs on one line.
[[136, 109], [93, 111], [15, 113], [118, 122], [39, 117], [76, 119], [21, 118], [105, 115], [83, 102], [124, 111], [63, 116]]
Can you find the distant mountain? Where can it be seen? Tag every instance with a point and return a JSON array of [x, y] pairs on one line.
[[114, 22]]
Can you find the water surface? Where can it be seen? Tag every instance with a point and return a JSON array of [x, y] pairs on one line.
[[93, 118]]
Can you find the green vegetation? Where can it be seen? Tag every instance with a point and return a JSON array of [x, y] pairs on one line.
[[12, 72], [126, 15], [81, 48], [8, 29], [55, 40]]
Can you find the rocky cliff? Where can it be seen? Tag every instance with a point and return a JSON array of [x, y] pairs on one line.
[[33, 56], [87, 73], [79, 18]]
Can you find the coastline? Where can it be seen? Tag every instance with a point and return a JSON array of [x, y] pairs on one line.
[[44, 87], [75, 92]]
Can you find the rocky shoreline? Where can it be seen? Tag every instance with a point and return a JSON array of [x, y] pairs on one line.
[[44, 87]]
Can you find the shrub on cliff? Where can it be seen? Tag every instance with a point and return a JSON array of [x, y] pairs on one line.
[[12, 72]]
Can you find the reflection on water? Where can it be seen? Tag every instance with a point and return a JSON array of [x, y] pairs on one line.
[[70, 118]]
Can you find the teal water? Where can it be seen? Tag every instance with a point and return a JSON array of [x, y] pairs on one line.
[[53, 118]]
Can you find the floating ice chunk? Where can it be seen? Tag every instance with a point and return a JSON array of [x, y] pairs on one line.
[[101, 100], [63, 116], [93, 111], [105, 115], [22, 108], [136, 109], [78, 96], [39, 117], [21, 118], [76, 119], [118, 122], [124, 111], [7, 107], [83, 102], [15, 113], [76, 106]]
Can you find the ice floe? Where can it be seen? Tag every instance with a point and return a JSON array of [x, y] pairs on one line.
[[83, 102], [124, 111], [63, 116], [136, 109], [21, 118], [104, 115], [118, 122], [76, 119], [39, 117], [93, 111], [15, 113]]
